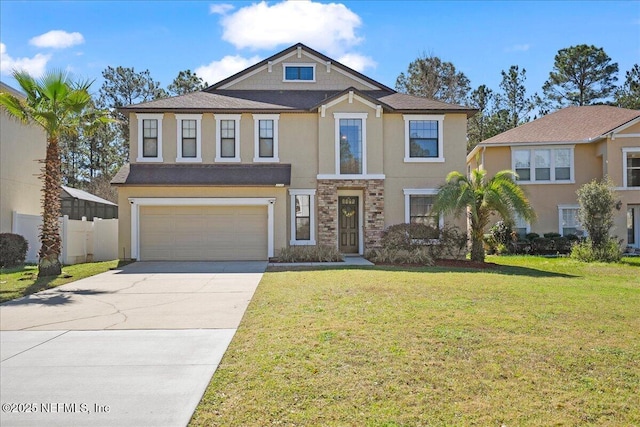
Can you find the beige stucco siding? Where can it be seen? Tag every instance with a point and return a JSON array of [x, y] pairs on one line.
[[273, 80], [298, 142], [21, 147], [400, 175], [126, 192]]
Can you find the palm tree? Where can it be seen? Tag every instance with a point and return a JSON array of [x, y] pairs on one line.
[[480, 198], [58, 105]]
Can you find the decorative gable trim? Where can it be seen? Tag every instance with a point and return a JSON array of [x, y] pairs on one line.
[[299, 50]]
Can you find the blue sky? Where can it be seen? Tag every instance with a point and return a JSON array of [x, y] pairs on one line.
[[378, 38]]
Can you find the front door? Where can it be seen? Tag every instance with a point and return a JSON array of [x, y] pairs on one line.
[[348, 224]]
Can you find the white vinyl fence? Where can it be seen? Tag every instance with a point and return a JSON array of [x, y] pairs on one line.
[[82, 241]]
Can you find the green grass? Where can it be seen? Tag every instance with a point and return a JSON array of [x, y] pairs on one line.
[[535, 341], [20, 281]]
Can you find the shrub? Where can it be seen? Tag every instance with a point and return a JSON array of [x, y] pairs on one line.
[[490, 244], [552, 235], [416, 256], [502, 232], [447, 242], [13, 249], [407, 236], [584, 251], [532, 236], [597, 202], [319, 253]]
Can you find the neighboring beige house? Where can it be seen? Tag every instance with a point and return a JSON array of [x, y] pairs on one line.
[[21, 148], [296, 150], [560, 152]]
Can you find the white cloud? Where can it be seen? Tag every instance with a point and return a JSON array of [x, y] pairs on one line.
[[35, 66], [357, 62], [220, 8], [518, 48], [329, 28], [57, 39], [227, 66]]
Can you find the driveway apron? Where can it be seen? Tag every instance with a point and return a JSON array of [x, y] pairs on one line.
[[131, 347]]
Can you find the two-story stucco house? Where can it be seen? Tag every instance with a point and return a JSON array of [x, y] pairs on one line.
[[558, 153], [297, 149]]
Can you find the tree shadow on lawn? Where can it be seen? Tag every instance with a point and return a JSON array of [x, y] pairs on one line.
[[490, 269]]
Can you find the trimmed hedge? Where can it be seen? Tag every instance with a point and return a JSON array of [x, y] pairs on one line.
[[13, 249]]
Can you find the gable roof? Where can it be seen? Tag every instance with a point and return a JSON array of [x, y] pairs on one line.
[[217, 98], [571, 124], [284, 53]]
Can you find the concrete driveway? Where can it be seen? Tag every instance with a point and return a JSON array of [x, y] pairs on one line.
[[130, 347]]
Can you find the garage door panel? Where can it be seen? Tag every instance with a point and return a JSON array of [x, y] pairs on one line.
[[203, 233]]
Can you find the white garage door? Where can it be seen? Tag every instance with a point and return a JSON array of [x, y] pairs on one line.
[[203, 233]]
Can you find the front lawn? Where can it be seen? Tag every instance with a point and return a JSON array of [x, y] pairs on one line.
[[20, 281], [534, 341]]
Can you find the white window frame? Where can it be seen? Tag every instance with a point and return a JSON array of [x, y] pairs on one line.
[[362, 116], [527, 224], [198, 119], [146, 116], [407, 138], [625, 151], [567, 207], [312, 216], [552, 172], [236, 118], [408, 192], [300, 64], [256, 138]]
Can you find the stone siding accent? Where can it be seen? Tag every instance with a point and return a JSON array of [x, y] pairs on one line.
[[373, 205]]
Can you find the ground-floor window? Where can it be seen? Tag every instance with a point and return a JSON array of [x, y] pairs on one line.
[[568, 221], [302, 217], [419, 209]]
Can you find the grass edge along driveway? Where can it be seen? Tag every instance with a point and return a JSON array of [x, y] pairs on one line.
[[20, 281], [535, 341]]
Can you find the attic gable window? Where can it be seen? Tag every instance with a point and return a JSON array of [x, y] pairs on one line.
[[299, 72]]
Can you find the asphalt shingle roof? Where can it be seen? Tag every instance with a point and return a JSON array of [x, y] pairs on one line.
[[571, 124], [203, 174]]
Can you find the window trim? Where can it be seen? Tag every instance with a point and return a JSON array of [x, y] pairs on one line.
[[407, 145], [625, 152], [198, 119], [146, 116], [362, 116], [256, 138], [408, 192], [298, 64], [552, 172], [236, 118], [567, 207], [312, 216]]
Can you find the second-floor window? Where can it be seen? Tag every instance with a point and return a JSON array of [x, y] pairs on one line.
[[543, 164], [189, 137], [149, 137], [631, 165], [423, 138], [266, 137], [227, 138], [351, 143]]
